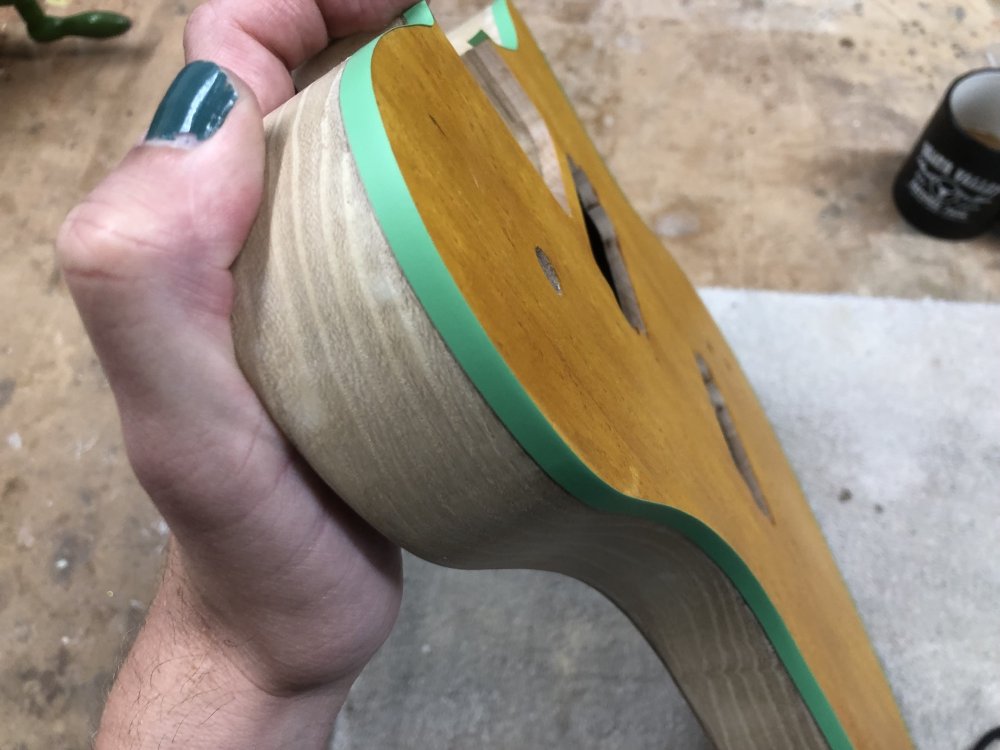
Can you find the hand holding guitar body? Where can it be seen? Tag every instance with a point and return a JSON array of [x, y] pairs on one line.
[[275, 594]]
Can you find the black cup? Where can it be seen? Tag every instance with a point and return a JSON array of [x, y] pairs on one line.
[[949, 185]]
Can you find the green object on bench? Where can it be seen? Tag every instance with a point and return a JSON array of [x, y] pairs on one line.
[[44, 28]]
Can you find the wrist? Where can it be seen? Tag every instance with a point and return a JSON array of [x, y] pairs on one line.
[[187, 684]]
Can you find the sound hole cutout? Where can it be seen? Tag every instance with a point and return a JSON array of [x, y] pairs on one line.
[[737, 450], [519, 114], [605, 248], [531, 132]]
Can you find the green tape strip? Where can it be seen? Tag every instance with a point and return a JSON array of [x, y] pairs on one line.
[[443, 301], [478, 38], [419, 15], [505, 23], [507, 32]]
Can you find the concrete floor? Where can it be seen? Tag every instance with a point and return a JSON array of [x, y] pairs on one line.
[[759, 139], [889, 414]]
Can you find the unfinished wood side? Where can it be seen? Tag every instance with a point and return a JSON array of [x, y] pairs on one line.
[[332, 337]]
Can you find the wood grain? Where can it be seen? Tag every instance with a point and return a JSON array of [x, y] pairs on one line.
[[332, 336], [391, 422]]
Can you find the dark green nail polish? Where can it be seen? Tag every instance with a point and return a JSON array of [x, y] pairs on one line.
[[195, 105]]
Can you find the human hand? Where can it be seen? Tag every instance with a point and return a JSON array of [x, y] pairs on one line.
[[275, 594]]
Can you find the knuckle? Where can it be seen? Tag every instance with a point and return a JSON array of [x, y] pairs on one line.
[[203, 20], [148, 468], [162, 467], [114, 235], [91, 242]]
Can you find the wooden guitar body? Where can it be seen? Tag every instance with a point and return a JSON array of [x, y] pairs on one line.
[[451, 309]]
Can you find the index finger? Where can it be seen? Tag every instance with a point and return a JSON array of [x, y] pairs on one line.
[[262, 41]]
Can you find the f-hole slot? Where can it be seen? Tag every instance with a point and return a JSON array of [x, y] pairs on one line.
[[529, 129], [605, 248], [519, 114], [737, 450]]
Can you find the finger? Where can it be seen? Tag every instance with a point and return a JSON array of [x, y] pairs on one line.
[[147, 256], [262, 42]]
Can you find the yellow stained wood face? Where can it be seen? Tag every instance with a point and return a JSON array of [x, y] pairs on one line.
[[632, 404]]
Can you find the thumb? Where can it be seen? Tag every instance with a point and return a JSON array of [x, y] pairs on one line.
[[146, 256]]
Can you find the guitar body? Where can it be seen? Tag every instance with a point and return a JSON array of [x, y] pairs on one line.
[[451, 309]]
